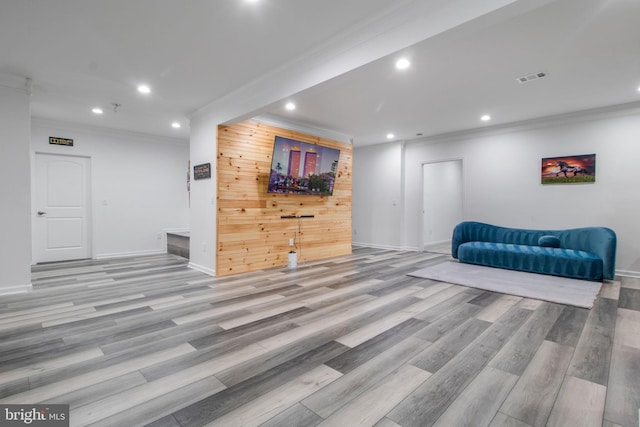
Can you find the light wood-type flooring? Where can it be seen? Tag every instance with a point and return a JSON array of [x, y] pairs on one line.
[[349, 341]]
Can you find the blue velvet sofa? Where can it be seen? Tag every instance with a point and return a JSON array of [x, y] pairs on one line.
[[587, 253]]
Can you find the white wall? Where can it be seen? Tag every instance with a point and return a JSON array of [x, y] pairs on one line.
[[377, 196], [203, 149], [443, 200], [502, 177], [15, 210], [139, 184]]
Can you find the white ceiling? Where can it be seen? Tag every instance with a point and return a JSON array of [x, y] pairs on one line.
[[85, 53], [590, 50]]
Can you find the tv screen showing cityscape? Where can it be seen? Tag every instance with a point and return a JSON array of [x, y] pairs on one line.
[[302, 168]]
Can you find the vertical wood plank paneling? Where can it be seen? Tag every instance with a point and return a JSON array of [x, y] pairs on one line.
[[250, 233]]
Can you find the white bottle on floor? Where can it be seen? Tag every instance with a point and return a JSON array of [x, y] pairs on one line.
[[293, 260]]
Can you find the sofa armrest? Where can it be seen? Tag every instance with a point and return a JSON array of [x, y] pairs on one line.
[[601, 241], [471, 231]]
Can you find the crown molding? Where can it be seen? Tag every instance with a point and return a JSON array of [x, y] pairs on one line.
[[273, 120], [65, 125], [618, 110], [16, 82]]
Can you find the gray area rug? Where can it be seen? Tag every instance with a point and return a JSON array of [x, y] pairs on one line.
[[579, 293]]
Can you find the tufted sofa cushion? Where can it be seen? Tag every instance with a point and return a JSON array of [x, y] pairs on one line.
[[534, 259]]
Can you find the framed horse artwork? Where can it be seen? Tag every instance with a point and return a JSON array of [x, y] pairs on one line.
[[579, 169]]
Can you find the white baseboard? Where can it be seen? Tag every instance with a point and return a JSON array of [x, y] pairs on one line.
[[131, 254], [441, 242], [627, 273], [16, 289], [201, 269], [388, 247]]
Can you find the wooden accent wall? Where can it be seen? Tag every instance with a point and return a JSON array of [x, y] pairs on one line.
[[250, 233]]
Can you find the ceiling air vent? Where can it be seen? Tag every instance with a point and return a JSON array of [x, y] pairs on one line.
[[529, 77]]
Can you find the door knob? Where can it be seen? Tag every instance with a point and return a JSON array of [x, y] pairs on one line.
[[40, 213]]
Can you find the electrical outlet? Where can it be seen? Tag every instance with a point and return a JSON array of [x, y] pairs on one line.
[[159, 236], [290, 242], [204, 247]]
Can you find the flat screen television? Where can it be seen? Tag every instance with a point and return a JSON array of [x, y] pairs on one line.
[[301, 168]]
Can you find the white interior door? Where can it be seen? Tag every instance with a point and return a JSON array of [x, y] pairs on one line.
[[442, 200], [62, 222]]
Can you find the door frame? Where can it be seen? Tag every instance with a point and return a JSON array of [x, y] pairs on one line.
[[34, 201], [421, 240]]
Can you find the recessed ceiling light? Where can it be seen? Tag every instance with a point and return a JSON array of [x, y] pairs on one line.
[[403, 64], [97, 110], [390, 136], [176, 125], [485, 118], [290, 106], [638, 88], [144, 89]]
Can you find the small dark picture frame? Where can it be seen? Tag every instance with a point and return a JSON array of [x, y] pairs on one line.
[[202, 171]]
